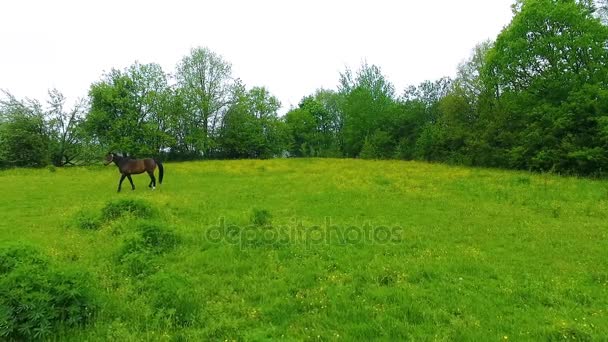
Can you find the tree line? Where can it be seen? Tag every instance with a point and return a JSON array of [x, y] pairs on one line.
[[535, 98]]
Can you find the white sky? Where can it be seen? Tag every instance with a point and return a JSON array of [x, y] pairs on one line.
[[290, 47]]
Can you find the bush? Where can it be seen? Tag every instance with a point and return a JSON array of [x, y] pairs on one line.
[[23, 141], [36, 298], [137, 262], [85, 219], [138, 251], [137, 208], [12, 257], [261, 217], [154, 238], [368, 151], [173, 299]]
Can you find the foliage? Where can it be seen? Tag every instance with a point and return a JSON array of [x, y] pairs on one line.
[[130, 110], [38, 298], [24, 138], [367, 105], [138, 208], [87, 219], [315, 126], [260, 217], [547, 70], [68, 142], [147, 241], [205, 83], [173, 299], [535, 98], [250, 128]]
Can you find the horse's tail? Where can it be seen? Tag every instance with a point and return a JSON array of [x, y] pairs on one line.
[[161, 171]]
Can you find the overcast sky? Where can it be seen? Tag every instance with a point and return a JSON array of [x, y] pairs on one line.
[[291, 47]]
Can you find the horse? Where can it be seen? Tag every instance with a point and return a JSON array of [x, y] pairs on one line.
[[128, 167]]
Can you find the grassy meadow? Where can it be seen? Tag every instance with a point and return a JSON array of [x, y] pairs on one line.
[[321, 249]]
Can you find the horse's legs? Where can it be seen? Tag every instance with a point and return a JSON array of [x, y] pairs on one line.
[[130, 180], [121, 179], [152, 180]]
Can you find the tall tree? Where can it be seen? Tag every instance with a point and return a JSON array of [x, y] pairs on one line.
[[24, 139], [251, 128], [129, 110], [316, 124], [205, 80], [368, 101], [64, 127], [548, 70]]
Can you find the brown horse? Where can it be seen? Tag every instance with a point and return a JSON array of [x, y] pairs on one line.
[[128, 167]]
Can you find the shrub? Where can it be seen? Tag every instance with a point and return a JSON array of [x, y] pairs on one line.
[[36, 298], [85, 219], [138, 251], [173, 299], [119, 208], [152, 238], [260, 217], [368, 151], [137, 262], [23, 140], [11, 257]]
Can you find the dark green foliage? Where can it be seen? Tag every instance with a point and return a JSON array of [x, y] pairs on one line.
[[368, 151], [173, 299], [86, 219], [134, 207], [152, 238], [36, 298], [11, 257], [156, 238], [536, 98], [546, 77], [315, 126], [149, 240], [260, 217], [251, 128], [23, 141], [131, 109]]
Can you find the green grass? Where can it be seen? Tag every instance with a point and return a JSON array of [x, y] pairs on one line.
[[314, 249]]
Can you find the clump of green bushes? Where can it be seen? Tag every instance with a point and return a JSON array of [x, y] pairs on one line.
[[260, 217], [113, 210], [134, 207], [173, 299], [150, 239], [86, 219], [38, 297]]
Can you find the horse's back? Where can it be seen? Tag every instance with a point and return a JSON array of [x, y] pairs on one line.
[[149, 164], [135, 166]]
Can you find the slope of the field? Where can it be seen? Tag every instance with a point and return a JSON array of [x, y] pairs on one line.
[[343, 249]]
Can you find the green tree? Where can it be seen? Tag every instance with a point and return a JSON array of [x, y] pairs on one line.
[[315, 126], [24, 138], [302, 128], [205, 83], [130, 110], [250, 127], [67, 143], [419, 114], [547, 71], [367, 104]]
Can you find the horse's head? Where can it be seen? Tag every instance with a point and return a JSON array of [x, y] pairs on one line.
[[109, 159]]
